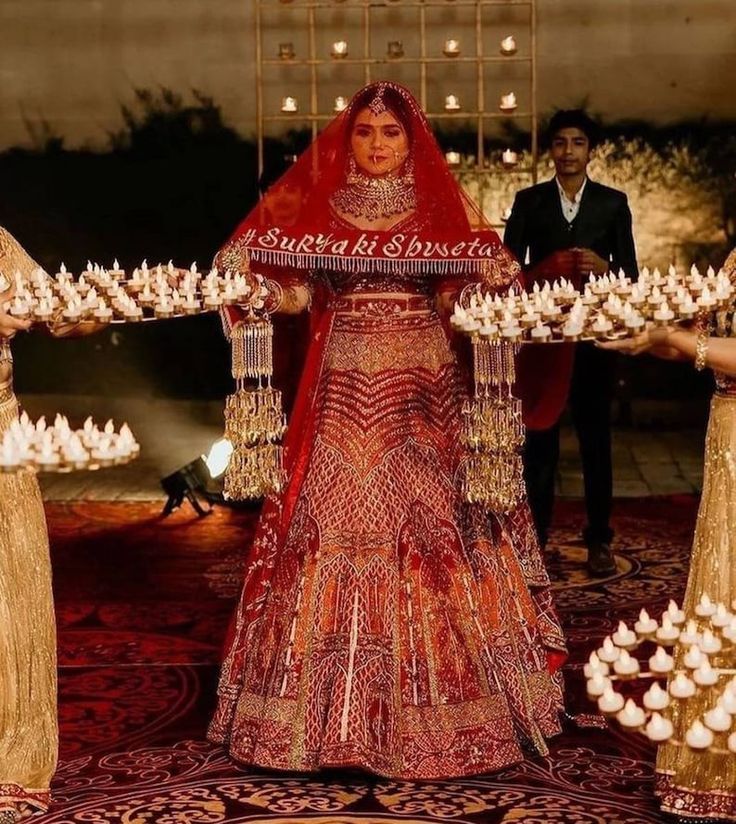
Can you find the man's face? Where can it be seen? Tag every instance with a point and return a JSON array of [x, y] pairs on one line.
[[570, 152]]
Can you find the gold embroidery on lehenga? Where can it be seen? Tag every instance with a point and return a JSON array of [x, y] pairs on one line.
[[359, 350], [397, 632]]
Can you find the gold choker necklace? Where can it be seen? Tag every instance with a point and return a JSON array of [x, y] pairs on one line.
[[375, 197]]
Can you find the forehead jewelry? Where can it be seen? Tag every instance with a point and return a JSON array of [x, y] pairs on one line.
[[377, 106]]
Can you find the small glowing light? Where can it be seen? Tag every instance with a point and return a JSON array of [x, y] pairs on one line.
[[508, 45], [508, 102], [509, 158], [395, 48], [289, 104], [452, 103], [219, 457], [451, 48], [339, 49]]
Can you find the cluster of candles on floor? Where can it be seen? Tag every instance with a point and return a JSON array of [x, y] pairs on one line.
[[608, 307], [112, 295], [708, 638], [57, 447]]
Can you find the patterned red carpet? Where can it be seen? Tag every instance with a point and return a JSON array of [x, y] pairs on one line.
[[143, 605]]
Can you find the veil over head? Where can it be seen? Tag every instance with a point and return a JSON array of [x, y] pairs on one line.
[[294, 224]]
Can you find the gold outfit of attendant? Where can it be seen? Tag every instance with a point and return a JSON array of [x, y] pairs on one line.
[[28, 717], [692, 784]]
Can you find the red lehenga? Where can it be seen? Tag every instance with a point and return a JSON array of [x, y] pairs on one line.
[[384, 623]]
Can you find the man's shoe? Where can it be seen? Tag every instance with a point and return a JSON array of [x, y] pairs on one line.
[[601, 562]]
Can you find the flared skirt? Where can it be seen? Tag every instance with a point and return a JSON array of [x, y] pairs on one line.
[[384, 623]]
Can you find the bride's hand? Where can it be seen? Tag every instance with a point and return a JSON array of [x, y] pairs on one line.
[[649, 340]]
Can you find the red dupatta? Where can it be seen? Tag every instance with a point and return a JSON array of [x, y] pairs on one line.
[[291, 226]]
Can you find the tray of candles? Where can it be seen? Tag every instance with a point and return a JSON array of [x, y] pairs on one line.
[[607, 307], [103, 296], [41, 447], [699, 670]]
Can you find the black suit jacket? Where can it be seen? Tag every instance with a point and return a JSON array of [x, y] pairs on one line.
[[603, 224]]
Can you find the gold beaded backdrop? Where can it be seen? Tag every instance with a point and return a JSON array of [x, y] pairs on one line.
[[471, 63]]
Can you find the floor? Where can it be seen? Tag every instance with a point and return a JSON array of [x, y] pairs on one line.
[[652, 459], [143, 605]]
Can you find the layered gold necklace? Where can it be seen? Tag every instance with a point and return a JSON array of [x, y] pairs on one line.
[[373, 198]]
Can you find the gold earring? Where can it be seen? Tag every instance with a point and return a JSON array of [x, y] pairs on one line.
[[352, 173]]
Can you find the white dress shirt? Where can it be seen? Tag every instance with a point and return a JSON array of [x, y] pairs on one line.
[[570, 208]]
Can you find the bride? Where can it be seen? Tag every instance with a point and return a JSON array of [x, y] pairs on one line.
[[384, 623]]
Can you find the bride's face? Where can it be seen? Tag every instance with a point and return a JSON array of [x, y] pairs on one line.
[[379, 143]]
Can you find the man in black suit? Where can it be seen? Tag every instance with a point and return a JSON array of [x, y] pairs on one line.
[[569, 227]]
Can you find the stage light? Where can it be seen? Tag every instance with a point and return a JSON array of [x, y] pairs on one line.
[[289, 105], [286, 51], [341, 103], [395, 49], [188, 483], [198, 482], [219, 457]]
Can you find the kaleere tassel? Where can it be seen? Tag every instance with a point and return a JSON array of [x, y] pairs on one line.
[[254, 417], [493, 430]]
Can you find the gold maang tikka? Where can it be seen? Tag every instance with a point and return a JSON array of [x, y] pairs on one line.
[[377, 105]]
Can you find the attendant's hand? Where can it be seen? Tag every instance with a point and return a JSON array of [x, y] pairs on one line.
[[57, 327], [8, 324], [174, 278], [587, 261], [654, 340]]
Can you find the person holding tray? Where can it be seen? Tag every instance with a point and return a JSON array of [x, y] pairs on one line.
[[571, 227], [28, 716], [692, 784]]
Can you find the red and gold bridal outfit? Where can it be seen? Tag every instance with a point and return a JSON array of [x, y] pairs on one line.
[[384, 623]]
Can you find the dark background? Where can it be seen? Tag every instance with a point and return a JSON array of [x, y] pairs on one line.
[[175, 181]]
